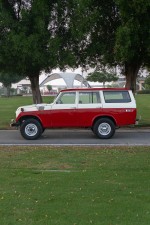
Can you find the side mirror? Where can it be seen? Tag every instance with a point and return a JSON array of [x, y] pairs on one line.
[[59, 102]]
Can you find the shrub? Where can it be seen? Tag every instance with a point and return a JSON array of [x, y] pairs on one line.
[[143, 92]]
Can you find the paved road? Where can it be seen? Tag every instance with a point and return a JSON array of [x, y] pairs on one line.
[[78, 137]]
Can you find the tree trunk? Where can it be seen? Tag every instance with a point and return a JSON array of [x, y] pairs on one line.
[[8, 90], [36, 94], [131, 72]]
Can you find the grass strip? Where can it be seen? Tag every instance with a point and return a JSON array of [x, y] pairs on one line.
[[74, 185]]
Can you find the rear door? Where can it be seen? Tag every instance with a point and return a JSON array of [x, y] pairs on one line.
[[89, 107]]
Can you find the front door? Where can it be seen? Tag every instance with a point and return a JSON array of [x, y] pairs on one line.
[[64, 110]]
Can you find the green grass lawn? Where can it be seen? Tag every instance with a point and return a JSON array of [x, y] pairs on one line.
[[74, 186], [143, 106], [8, 107]]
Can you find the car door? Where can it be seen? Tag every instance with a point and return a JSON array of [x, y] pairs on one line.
[[89, 107], [64, 110]]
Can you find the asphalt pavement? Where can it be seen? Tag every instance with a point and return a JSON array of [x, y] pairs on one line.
[[77, 137]]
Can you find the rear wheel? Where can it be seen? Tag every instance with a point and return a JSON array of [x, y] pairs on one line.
[[31, 129], [104, 128]]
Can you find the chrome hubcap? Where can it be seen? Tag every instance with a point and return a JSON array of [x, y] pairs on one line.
[[104, 129], [31, 130]]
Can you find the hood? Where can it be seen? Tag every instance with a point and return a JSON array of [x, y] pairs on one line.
[[35, 107]]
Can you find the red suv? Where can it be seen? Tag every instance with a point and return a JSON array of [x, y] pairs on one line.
[[101, 109]]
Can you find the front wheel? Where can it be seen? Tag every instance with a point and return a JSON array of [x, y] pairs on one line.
[[31, 129], [104, 128]]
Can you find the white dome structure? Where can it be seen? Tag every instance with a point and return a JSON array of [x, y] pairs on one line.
[[68, 78]]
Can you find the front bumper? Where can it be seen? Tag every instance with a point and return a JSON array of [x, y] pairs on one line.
[[14, 123]]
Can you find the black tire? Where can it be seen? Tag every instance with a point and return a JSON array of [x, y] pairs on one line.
[[31, 129], [92, 130], [104, 128]]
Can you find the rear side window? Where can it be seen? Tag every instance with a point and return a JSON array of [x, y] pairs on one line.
[[116, 96], [89, 97]]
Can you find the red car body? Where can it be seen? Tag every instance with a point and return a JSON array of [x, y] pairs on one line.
[[82, 108]]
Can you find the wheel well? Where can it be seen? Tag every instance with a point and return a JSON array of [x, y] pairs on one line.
[[103, 117], [29, 117]]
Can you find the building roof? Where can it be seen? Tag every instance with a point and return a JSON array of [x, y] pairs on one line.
[[69, 79]]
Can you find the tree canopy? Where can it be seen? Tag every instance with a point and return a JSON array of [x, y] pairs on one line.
[[25, 47], [147, 82], [102, 77], [115, 32], [38, 35], [49, 87], [133, 38], [7, 79], [35, 38]]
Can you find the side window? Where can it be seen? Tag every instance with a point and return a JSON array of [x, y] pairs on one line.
[[67, 98], [116, 96], [89, 97]]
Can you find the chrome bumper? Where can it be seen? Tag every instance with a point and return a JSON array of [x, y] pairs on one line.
[[14, 123]]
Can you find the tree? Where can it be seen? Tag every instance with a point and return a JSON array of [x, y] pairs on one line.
[[147, 82], [116, 33], [25, 46], [133, 38], [12, 91], [94, 25], [49, 87], [102, 77], [7, 79], [36, 39]]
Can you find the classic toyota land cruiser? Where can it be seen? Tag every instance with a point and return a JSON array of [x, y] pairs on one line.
[[101, 109]]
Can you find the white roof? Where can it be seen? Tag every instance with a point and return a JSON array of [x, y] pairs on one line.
[[68, 78]]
